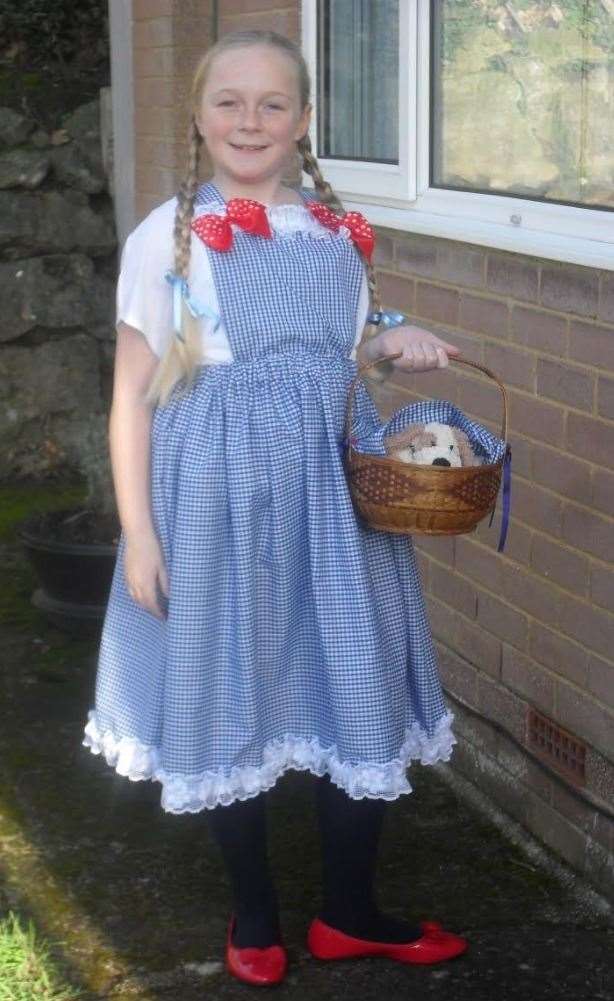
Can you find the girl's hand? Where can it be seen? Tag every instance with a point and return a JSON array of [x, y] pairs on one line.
[[421, 349], [143, 569]]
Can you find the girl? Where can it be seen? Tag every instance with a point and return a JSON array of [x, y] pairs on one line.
[[253, 625]]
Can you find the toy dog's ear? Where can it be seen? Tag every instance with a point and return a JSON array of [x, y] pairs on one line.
[[467, 455], [413, 436]]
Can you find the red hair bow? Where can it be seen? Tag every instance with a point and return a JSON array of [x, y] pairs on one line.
[[360, 230], [216, 230]]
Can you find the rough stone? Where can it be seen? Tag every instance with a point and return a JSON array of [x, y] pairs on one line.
[[56, 291], [50, 221], [74, 168], [23, 168], [14, 128], [57, 379]]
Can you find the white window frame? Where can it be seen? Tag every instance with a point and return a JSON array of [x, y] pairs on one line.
[[400, 197]]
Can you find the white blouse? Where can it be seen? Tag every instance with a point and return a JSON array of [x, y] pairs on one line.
[[144, 298]]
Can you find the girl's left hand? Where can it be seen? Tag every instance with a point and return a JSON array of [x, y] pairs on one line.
[[421, 349]]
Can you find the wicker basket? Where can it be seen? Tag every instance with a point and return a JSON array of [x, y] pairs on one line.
[[408, 499]]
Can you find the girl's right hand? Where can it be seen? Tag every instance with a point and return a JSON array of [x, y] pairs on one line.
[[144, 569]]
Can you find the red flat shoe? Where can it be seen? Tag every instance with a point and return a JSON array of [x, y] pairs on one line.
[[255, 965], [434, 946]]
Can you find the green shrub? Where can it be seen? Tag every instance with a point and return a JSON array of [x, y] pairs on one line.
[[47, 32]]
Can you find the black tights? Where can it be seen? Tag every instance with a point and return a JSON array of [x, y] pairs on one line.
[[350, 830]]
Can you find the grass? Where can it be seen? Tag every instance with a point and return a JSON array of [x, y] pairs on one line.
[[27, 970]]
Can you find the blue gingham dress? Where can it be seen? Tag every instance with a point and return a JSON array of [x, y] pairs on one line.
[[294, 636]]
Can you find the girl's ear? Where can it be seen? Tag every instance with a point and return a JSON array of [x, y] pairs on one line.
[[303, 123]]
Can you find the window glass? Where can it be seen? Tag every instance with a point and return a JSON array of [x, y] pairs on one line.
[[358, 79], [523, 99]]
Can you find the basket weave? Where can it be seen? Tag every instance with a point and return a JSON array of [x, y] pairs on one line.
[[409, 499]]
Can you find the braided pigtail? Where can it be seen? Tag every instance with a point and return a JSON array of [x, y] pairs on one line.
[[330, 198], [183, 355]]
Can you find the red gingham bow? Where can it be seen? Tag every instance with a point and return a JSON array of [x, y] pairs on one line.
[[360, 230], [216, 231]]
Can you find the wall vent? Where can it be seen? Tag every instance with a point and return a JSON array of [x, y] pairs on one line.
[[559, 748]]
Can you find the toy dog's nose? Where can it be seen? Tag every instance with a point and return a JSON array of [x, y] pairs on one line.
[[440, 462]]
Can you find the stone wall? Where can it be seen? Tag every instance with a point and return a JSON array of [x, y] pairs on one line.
[[57, 271]]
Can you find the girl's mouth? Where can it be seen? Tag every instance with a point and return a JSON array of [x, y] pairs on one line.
[[248, 148]]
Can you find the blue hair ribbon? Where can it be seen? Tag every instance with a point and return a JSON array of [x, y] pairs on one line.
[[181, 291], [386, 318]]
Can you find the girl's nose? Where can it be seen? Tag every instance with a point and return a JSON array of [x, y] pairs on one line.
[[250, 118]]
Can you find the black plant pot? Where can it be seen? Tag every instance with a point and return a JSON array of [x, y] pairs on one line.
[[74, 577]]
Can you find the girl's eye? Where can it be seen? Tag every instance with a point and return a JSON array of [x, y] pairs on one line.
[[274, 107], [225, 104]]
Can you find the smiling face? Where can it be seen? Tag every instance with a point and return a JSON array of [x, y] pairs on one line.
[[250, 114]]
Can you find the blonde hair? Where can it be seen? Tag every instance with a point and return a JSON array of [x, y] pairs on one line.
[[182, 357]]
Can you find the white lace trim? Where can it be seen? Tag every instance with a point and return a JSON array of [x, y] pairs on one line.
[[284, 220], [193, 793]]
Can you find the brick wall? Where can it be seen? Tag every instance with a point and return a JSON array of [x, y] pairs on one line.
[[533, 626], [169, 38]]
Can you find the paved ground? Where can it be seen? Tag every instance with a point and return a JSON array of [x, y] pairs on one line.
[[139, 900]]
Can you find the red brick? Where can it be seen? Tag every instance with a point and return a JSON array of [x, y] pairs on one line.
[[570, 289], [249, 6], [587, 624], [592, 344], [454, 590], [514, 367], [441, 383], [521, 455], [517, 543], [154, 33], [606, 297], [437, 303], [601, 680], [159, 153], [158, 179], [460, 264], [417, 254], [562, 473], [539, 330], [397, 293], [479, 398], [159, 123], [483, 565], [602, 586], [484, 316], [589, 532], [561, 654], [537, 507], [587, 436], [536, 418], [605, 398], [151, 90], [502, 620], [581, 714], [527, 679], [143, 10], [559, 564], [512, 275], [457, 675], [556, 832], [285, 21], [582, 814], [384, 250], [438, 547], [572, 386], [502, 706], [154, 62], [603, 491], [527, 591]]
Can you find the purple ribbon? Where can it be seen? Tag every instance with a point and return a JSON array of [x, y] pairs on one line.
[[507, 499]]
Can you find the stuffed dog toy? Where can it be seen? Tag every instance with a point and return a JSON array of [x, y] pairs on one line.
[[432, 444]]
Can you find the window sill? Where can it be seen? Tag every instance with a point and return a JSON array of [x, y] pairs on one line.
[[519, 239]]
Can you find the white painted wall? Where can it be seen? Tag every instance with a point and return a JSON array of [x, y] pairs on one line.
[[122, 99]]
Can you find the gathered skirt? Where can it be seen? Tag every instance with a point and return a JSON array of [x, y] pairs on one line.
[[295, 636]]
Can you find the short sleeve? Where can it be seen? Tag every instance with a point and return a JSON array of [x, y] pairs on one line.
[[361, 313], [144, 297]]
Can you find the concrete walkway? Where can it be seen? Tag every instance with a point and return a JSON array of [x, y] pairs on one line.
[[140, 902]]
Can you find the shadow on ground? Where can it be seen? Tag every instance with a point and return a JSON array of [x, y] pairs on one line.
[[137, 900]]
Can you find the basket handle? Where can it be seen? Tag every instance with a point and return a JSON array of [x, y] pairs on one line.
[[455, 358]]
